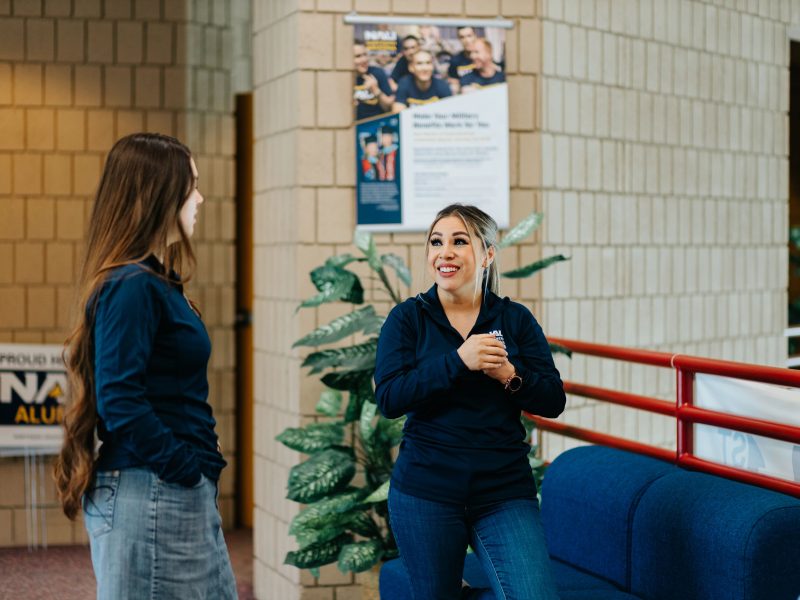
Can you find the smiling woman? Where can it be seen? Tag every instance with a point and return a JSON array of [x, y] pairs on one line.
[[462, 363]]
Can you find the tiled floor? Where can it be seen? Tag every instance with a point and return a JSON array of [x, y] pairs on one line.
[[65, 572]]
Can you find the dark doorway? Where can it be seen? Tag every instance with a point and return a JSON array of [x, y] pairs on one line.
[[244, 310]]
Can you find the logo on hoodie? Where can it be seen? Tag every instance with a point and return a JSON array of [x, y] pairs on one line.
[[497, 333]]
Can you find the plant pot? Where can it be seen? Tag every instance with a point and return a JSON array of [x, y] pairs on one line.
[[369, 583]]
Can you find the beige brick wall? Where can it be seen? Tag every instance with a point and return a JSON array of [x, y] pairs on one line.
[[74, 77], [305, 210], [664, 176]]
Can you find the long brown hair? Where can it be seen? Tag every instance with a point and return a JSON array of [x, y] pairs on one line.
[[146, 179]]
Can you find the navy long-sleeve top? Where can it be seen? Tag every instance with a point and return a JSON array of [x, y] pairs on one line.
[[463, 441], [151, 354]]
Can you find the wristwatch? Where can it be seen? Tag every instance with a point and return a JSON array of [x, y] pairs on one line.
[[513, 383]]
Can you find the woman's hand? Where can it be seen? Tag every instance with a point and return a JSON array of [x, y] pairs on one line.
[[502, 372], [482, 352]]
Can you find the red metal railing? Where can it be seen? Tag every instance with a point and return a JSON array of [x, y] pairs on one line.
[[683, 409]]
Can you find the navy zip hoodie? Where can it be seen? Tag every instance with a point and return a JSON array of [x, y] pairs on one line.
[[151, 352], [463, 441]]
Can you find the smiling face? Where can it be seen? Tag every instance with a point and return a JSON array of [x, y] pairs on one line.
[[371, 149], [188, 214], [466, 35], [421, 66], [454, 255], [410, 46], [480, 55], [360, 58]]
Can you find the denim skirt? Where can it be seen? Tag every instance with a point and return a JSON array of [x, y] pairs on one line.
[[156, 540]]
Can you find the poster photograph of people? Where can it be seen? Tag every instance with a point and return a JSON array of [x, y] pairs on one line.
[[402, 67]]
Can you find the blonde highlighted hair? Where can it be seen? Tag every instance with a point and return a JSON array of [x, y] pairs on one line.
[[482, 229]]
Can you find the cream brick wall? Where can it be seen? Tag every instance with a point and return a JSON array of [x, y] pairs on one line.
[[74, 77], [664, 175], [304, 212]]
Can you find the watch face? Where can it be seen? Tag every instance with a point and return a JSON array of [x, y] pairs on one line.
[[514, 383]]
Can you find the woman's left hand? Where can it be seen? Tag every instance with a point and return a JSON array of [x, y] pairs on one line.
[[501, 372]]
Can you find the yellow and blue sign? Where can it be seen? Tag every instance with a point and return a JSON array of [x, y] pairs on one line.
[[33, 388]]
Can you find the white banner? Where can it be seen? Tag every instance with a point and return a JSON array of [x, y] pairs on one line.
[[456, 151], [33, 384], [743, 450]]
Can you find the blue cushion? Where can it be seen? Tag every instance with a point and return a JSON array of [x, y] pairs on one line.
[[704, 537], [394, 583], [574, 581], [589, 497]]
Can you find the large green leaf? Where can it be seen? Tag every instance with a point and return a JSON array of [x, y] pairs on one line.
[[365, 426], [362, 524], [361, 319], [360, 556], [529, 426], [318, 554], [559, 349], [348, 380], [330, 403], [355, 521], [313, 437], [399, 266], [374, 327], [364, 241], [521, 230], [342, 260], [359, 394], [324, 473], [334, 284], [358, 398], [351, 358], [534, 461], [532, 268], [390, 430], [379, 495], [327, 512], [310, 537]]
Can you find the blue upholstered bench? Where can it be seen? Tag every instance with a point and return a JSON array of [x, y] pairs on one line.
[[621, 526]]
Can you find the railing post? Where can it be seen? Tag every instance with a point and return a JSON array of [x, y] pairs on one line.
[[685, 397]]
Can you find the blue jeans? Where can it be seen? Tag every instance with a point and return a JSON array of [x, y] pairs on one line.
[[156, 540], [507, 538]]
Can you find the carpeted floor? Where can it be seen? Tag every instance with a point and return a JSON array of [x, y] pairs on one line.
[[65, 572]]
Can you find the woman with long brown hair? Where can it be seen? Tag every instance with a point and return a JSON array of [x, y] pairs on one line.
[[137, 361]]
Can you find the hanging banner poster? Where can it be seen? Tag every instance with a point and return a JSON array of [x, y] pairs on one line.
[[33, 383], [744, 450], [431, 111], [379, 171]]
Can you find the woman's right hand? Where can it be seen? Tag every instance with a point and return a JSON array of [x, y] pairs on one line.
[[482, 351]]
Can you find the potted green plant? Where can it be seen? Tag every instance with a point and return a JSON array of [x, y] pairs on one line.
[[342, 521]]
